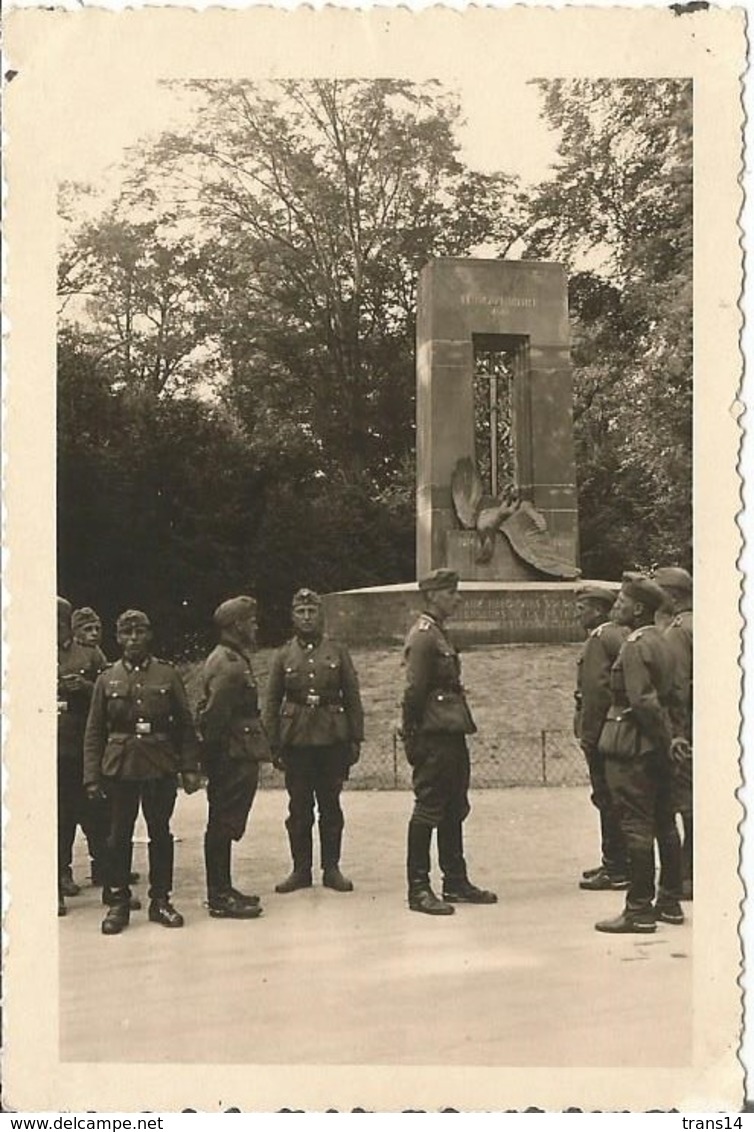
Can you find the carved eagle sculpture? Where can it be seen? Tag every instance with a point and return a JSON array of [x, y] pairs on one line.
[[520, 522]]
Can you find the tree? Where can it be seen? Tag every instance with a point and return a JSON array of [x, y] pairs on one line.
[[618, 211], [324, 199]]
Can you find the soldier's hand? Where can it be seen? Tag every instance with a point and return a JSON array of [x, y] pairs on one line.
[[355, 754], [192, 781], [680, 750], [94, 791], [277, 760], [74, 682]]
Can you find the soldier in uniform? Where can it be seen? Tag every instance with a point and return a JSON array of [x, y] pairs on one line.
[[593, 603], [315, 723], [635, 741], [677, 585], [436, 720], [87, 627], [139, 736], [78, 667], [234, 745]]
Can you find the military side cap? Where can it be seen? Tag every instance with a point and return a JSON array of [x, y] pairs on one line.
[[641, 588], [64, 606], [234, 609], [442, 579], [306, 597], [593, 591], [674, 578], [131, 618], [84, 616]]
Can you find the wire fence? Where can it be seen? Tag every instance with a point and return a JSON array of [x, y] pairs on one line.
[[517, 758]]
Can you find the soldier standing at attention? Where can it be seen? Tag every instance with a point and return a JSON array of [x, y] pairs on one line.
[[139, 736], [315, 722], [677, 585], [78, 667], [593, 603], [436, 721], [234, 745], [635, 742]]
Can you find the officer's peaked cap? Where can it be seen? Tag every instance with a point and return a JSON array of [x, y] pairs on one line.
[[442, 579], [306, 597], [641, 588], [84, 616], [131, 618], [234, 609], [595, 591], [674, 578]]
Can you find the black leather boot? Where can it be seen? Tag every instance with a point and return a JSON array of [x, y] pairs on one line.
[[456, 886], [300, 840], [298, 878], [421, 898], [333, 878], [118, 915], [109, 898], [161, 911]]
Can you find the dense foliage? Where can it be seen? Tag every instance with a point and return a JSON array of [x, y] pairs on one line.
[[236, 357]]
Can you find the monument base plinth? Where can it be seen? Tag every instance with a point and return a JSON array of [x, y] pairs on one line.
[[489, 613]]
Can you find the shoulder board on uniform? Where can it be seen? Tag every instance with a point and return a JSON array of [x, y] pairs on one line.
[[230, 653], [424, 623], [161, 660], [677, 622], [599, 630], [110, 664], [637, 633]]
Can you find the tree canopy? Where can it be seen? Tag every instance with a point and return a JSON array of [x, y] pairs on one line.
[[236, 360]]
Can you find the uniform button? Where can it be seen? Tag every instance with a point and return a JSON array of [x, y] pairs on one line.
[[138, 701]]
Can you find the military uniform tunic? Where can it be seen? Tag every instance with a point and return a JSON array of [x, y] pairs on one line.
[[436, 721], [139, 735], [598, 655], [313, 716], [235, 741], [74, 808], [635, 741]]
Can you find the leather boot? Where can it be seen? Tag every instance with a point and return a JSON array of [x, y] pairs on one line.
[[298, 878], [640, 923], [118, 915], [109, 898], [227, 906], [300, 841], [333, 878], [160, 855], [456, 886], [330, 841], [161, 911], [421, 898]]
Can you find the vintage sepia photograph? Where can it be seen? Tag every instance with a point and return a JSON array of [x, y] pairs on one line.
[[386, 474]]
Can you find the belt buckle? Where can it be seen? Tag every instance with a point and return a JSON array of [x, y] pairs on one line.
[[143, 727], [312, 699]]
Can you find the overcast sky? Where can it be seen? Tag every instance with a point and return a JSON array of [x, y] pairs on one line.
[[503, 128]]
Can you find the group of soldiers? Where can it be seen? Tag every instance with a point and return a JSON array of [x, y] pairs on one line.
[[634, 723], [127, 736]]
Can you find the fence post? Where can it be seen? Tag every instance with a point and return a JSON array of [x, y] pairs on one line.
[[543, 741]]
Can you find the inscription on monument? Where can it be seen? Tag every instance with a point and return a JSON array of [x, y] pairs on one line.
[[497, 301]]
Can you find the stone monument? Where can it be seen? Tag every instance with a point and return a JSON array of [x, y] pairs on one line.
[[492, 361], [504, 322]]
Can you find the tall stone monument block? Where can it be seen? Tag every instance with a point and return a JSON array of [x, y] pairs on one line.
[[519, 308]]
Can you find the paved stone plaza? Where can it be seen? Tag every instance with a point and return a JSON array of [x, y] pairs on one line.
[[330, 978]]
